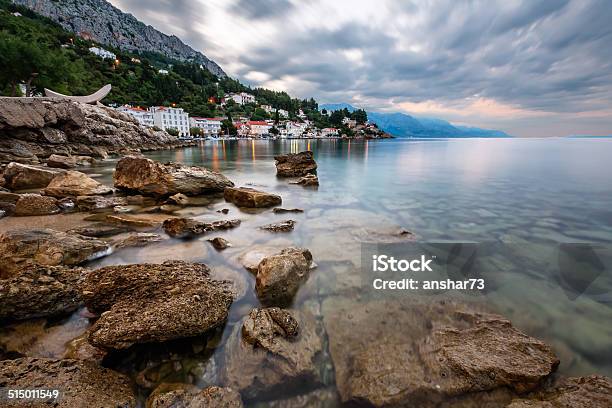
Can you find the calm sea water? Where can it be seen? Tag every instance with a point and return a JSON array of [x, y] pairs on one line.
[[530, 195]]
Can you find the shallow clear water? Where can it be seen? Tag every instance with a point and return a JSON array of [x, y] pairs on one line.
[[532, 194]]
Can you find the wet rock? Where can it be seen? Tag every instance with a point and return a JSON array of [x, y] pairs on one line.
[[223, 211], [279, 276], [251, 198], [183, 200], [279, 210], [22, 176], [35, 204], [295, 165], [239, 282], [145, 221], [40, 291], [309, 180], [46, 247], [284, 226], [82, 383], [8, 197], [219, 243], [80, 349], [3, 214], [96, 202], [189, 396], [578, 392], [251, 258], [153, 178], [319, 398], [279, 361], [146, 303], [61, 162], [138, 239], [73, 184], [188, 227], [66, 204], [99, 230], [449, 354]]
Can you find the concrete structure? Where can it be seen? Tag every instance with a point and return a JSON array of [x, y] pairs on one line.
[[349, 122], [296, 129], [171, 118], [241, 98], [143, 116], [102, 53], [329, 132], [209, 126], [258, 128]]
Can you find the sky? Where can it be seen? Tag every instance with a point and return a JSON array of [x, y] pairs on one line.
[[531, 68]]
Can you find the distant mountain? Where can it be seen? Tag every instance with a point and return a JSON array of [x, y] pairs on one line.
[[100, 21], [403, 125]]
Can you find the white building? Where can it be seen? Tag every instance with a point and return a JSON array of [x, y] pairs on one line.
[[283, 113], [258, 128], [209, 126], [143, 116], [329, 132], [162, 71], [241, 98], [102, 53], [349, 122], [296, 129], [171, 118]]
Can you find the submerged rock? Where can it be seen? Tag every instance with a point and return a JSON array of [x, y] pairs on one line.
[[309, 180], [146, 221], [448, 355], [96, 202], [136, 240], [22, 176], [188, 227], [35, 204], [82, 384], [219, 243], [61, 162], [577, 392], [99, 230], [40, 291], [146, 303], [73, 184], [272, 358], [189, 396], [153, 178], [46, 247], [295, 165], [284, 226], [251, 198], [279, 210], [280, 276]]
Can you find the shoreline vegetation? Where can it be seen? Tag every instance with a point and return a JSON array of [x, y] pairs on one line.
[[136, 320]]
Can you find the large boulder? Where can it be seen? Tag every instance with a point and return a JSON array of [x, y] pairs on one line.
[[41, 291], [81, 383], [189, 396], [20, 248], [295, 165], [188, 227], [35, 204], [75, 183], [577, 392], [403, 353], [269, 356], [146, 303], [280, 276], [251, 198], [22, 176], [153, 178], [62, 162]]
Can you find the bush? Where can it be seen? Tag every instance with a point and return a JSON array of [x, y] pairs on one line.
[[172, 131]]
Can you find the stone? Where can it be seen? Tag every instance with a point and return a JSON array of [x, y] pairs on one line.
[[99, 230], [295, 165], [35, 204], [188, 227], [250, 259], [136, 240], [8, 197], [20, 248], [73, 184], [223, 211], [61, 162], [146, 221], [279, 210], [22, 176], [279, 358], [251, 198], [452, 352], [66, 204], [153, 178], [219, 243], [577, 392], [96, 202], [183, 200], [309, 180], [189, 396], [82, 383], [280, 276], [41, 291], [146, 303], [284, 226], [80, 349]]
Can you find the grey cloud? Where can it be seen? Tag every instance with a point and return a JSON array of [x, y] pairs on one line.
[[261, 9]]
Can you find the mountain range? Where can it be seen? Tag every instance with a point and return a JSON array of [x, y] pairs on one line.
[[100, 21], [404, 125]]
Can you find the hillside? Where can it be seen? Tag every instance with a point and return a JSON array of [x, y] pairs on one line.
[[100, 21], [404, 125]]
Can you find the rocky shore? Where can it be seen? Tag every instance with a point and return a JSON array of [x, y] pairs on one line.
[[275, 336]]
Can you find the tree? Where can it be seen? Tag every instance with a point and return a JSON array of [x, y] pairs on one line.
[[274, 131], [360, 116], [172, 131], [228, 128], [260, 114], [196, 131]]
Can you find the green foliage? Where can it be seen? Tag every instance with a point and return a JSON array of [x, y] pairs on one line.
[[172, 131], [196, 131], [260, 114], [228, 128], [360, 116], [274, 131]]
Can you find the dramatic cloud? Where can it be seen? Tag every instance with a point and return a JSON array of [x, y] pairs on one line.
[[528, 67]]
